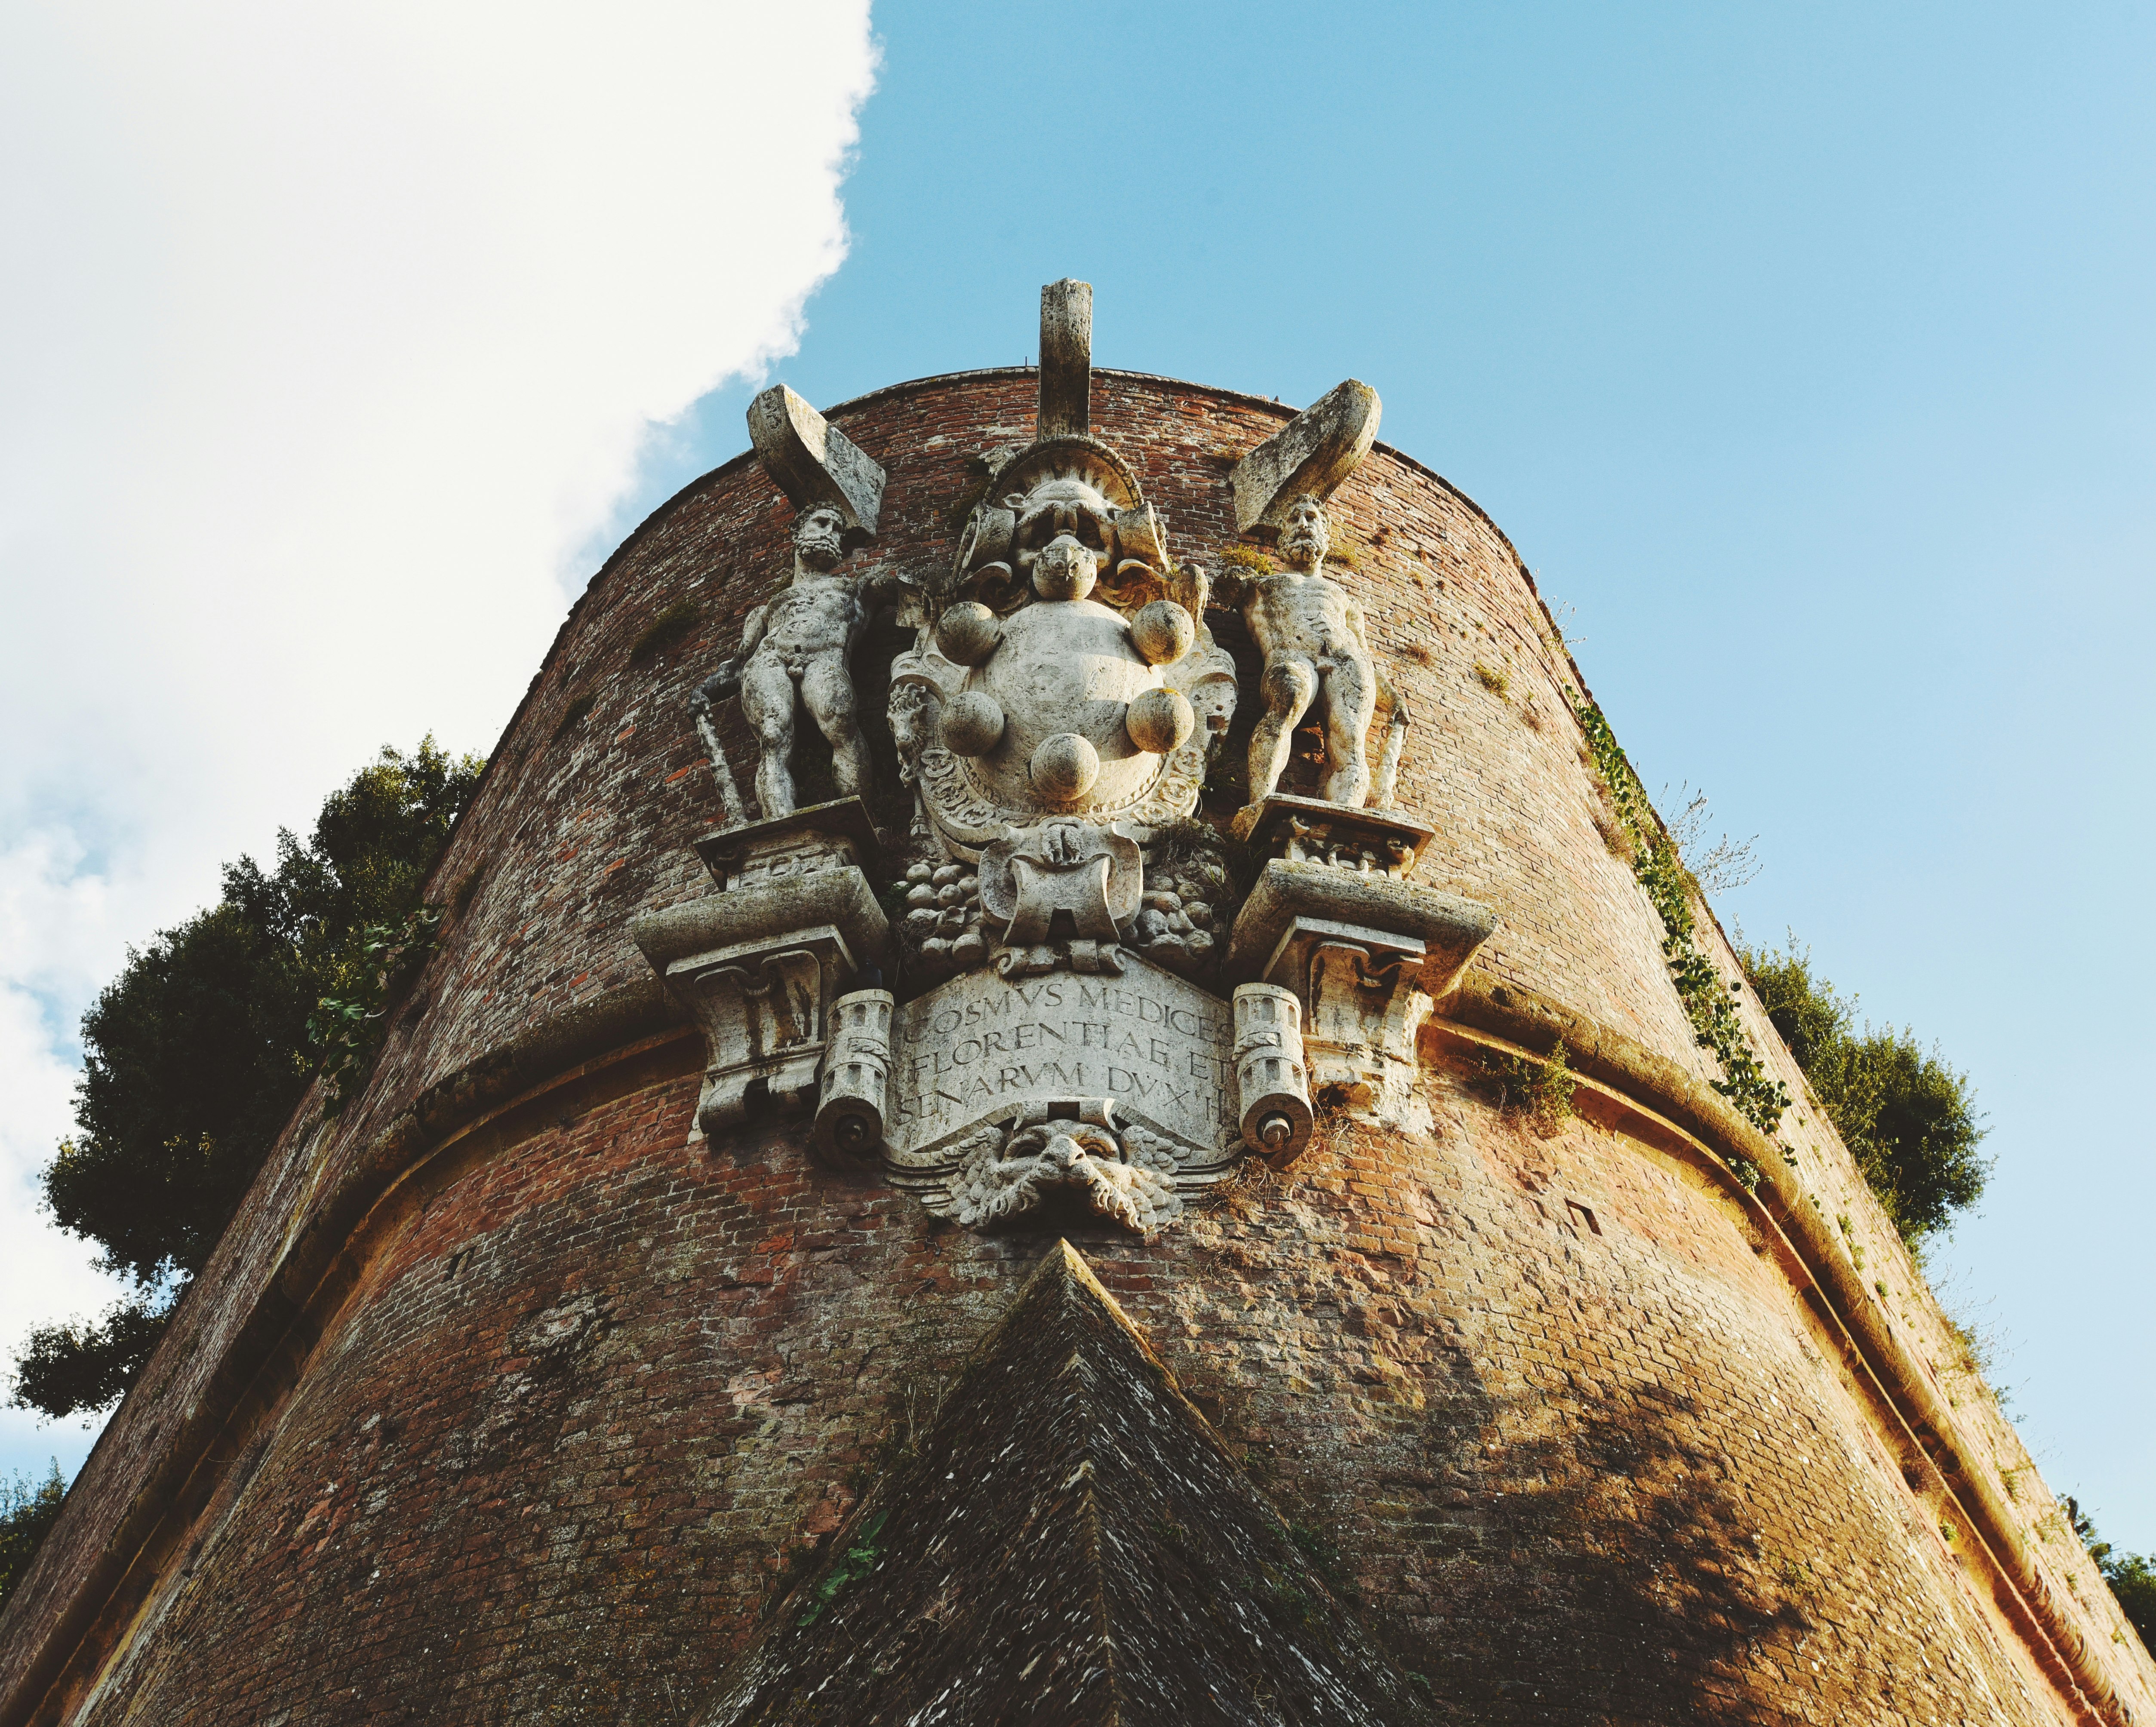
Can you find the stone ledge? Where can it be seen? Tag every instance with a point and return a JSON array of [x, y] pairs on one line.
[[1450, 927]]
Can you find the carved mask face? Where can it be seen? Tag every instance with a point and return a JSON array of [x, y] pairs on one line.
[[1063, 532], [818, 538], [1074, 1159], [1062, 1149], [1306, 536]]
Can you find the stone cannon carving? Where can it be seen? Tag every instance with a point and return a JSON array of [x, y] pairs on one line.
[[851, 1103], [1273, 1084]]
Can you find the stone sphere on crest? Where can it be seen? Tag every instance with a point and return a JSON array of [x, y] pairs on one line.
[[973, 724], [1063, 666], [1162, 632], [967, 633], [1065, 767], [1159, 720]]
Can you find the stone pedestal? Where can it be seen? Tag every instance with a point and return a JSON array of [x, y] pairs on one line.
[[1334, 921], [762, 961]]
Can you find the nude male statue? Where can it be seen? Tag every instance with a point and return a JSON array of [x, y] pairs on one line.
[[797, 648], [1316, 654]]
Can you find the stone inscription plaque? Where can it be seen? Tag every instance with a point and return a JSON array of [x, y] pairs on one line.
[[978, 1048]]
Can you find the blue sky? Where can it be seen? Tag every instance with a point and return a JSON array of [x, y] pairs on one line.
[[1804, 352]]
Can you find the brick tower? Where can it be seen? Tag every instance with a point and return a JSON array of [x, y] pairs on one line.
[[986, 1139]]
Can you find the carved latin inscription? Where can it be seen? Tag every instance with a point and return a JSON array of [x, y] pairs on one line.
[[981, 1047]]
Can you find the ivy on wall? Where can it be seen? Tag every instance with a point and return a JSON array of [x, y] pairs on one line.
[[1706, 996]]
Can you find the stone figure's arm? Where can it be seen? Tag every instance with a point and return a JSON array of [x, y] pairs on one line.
[[726, 681], [1355, 623]]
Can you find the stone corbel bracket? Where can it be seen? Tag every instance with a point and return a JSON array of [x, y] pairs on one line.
[[1313, 453], [762, 965], [812, 461], [1366, 953]]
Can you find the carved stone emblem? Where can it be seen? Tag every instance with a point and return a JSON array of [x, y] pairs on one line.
[[1067, 672], [1065, 681], [1049, 1051]]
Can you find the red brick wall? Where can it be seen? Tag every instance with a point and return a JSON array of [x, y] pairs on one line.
[[584, 1388]]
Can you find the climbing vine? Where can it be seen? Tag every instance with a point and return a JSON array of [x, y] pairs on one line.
[[347, 1029], [860, 1560], [1760, 1097]]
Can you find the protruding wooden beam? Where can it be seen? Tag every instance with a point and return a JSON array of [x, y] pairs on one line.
[[812, 461], [1313, 453], [1066, 360]]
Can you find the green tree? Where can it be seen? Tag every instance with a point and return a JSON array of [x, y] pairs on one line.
[[1909, 1118], [195, 1056], [2131, 1576], [27, 1511]]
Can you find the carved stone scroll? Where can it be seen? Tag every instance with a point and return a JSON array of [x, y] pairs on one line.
[[985, 1048], [1312, 454], [812, 461]]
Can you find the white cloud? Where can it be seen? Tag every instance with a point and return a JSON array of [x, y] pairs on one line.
[[329, 333]]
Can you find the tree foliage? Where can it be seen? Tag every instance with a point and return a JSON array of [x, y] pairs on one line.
[[195, 1056], [26, 1510], [2131, 1576], [1909, 1118]]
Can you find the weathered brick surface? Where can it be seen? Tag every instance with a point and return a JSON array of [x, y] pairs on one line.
[[586, 1388]]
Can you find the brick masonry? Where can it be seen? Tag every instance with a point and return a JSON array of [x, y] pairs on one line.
[[577, 1399]]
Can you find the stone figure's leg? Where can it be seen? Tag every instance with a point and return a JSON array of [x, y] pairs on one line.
[[767, 699], [828, 690], [1351, 698], [1287, 688]]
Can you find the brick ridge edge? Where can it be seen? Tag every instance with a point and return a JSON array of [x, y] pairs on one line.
[[266, 1355], [1516, 1020]]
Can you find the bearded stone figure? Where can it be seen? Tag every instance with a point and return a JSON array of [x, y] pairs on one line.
[[797, 650], [1317, 656]]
